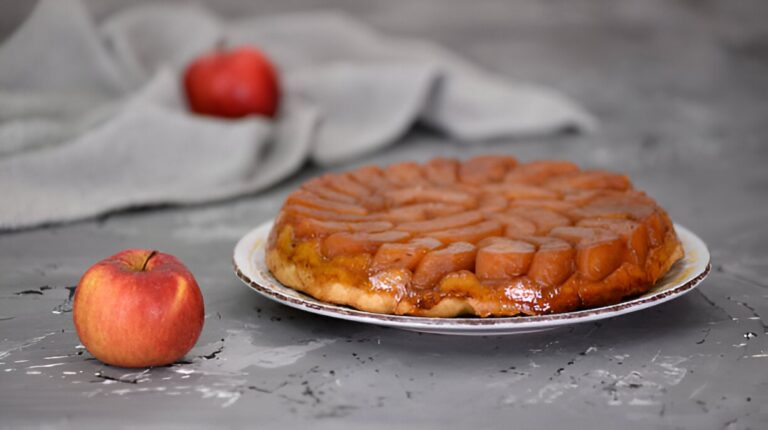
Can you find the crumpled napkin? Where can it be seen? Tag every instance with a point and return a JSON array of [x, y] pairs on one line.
[[93, 118]]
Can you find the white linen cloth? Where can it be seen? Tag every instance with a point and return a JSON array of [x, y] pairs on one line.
[[93, 117]]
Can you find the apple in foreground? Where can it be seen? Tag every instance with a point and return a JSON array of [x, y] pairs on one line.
[[138, 308], [232, 84]]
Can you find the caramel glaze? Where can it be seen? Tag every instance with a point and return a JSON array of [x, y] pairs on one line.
[[502, 238]]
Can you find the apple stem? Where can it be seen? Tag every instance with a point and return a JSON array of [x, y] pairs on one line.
[[149, 257]]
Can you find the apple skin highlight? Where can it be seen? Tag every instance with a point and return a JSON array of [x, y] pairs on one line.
[[138, 308]]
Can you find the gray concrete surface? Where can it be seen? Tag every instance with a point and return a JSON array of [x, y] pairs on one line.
[[681, 90]]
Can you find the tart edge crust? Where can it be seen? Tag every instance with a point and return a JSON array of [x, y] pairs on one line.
[[340, 293]]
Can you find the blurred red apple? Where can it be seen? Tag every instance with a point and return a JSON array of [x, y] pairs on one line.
[[138, 308], [232, 84]]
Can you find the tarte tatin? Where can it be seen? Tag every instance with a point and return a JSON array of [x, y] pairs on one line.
[[487, 237]]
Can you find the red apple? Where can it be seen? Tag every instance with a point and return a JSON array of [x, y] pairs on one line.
[[138, 308], [232, 84]]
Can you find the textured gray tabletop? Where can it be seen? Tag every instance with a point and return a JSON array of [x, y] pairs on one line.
[[680, 88]]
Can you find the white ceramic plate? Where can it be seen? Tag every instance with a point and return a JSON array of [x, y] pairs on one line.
[[685, 275]]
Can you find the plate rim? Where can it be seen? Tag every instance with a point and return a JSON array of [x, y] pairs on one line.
[[468, 324]]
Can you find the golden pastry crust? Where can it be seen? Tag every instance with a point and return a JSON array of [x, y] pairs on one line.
[[484, 237]]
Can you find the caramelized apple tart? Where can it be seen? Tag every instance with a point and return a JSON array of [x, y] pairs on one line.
[[485, 237]]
